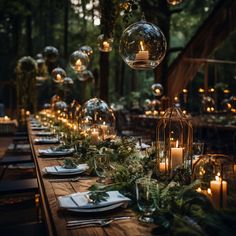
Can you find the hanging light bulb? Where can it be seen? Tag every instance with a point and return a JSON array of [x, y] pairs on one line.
[[104, 43], [85, 75], [174, 2], [87, 50], [50, 53], [78, 61], [143, 45], [58, 75]]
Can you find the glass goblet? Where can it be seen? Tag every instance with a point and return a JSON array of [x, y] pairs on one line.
[[147, 194], [102, 167]]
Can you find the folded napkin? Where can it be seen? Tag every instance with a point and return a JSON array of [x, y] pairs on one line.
[[51, 152], [79, 200], [39, 128], [60, 169], [43, 134], [142, 146], [46, 140]]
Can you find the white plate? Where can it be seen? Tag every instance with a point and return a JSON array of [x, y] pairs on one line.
[[56, 153], [101, 209], [64, 173]]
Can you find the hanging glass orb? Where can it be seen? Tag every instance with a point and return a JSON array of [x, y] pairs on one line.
[[97, 117], [39, 56], [50, 53], [208, 104], [104, 43], [226, 105], [78, 61], [232, 100], [61, 110], [143, 45], [58, 75], [74, 111], [68, 81], [54, 99], [174, 142], [85, 75], [174, 2], [157, 89], [87, 50]]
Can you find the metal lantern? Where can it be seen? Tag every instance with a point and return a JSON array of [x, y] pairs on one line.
[[104, 43], [58, 75], [142, 45], [79, 61], [174, 141], [216, 173]]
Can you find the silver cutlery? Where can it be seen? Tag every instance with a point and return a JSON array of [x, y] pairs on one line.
[[68, 179], [94, 222]]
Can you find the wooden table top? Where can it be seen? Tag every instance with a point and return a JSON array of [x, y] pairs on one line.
[[56, 218]]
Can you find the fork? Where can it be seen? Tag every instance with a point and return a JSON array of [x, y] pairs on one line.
[[103, 222]]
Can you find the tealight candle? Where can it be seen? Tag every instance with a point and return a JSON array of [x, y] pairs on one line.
[[176, 156], [106, 46], [58, 78], [219, 192], [78, 65], [142, 55]]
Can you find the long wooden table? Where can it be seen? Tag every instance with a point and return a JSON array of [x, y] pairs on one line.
[[56, 218]]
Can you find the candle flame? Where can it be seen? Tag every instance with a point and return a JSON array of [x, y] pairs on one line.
[[177, 143], [58, 77], [209, 191], [104, 123], [141, 46], [217, 178], [218, 174], [78, 62], [199, 189]]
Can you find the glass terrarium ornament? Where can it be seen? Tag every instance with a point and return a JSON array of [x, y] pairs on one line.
[[174, 141], [157, 89], [61, 110], [142, 45], [68, 81], [79, 61], [87, 50], [85, 75], [216, 173], [97, 119], [50, 53], [58, 75], [174, 2], [232, 100], [104, 43], [208, 104]]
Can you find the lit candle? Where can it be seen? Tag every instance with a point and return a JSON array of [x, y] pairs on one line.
[[163, 166], [58, 78], [106, 46], [218, 190], [94, 135], [176, 156], [142, 55], [78, 65], [104, 128]]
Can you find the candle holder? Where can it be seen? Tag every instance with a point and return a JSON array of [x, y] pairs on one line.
[[104, 43], [174, 142], [61, 109], [142, 45], [50, 53], [96, 115], [58, 75], [79, 61], [216, 172], [157, 89]]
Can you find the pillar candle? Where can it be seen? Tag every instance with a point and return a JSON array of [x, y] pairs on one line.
[[142, 54], [176, 156], [216, 192]]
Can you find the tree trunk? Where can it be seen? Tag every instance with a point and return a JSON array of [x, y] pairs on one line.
[[29, 34], [66, 18], [104, 75]]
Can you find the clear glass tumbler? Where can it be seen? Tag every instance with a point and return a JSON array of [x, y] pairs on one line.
[[147, 193]]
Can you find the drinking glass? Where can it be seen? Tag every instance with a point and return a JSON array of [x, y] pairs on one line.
[[102, 167], [147, 193]]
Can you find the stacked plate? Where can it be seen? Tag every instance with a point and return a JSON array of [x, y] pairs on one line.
[[79, 202], [46, 140]]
